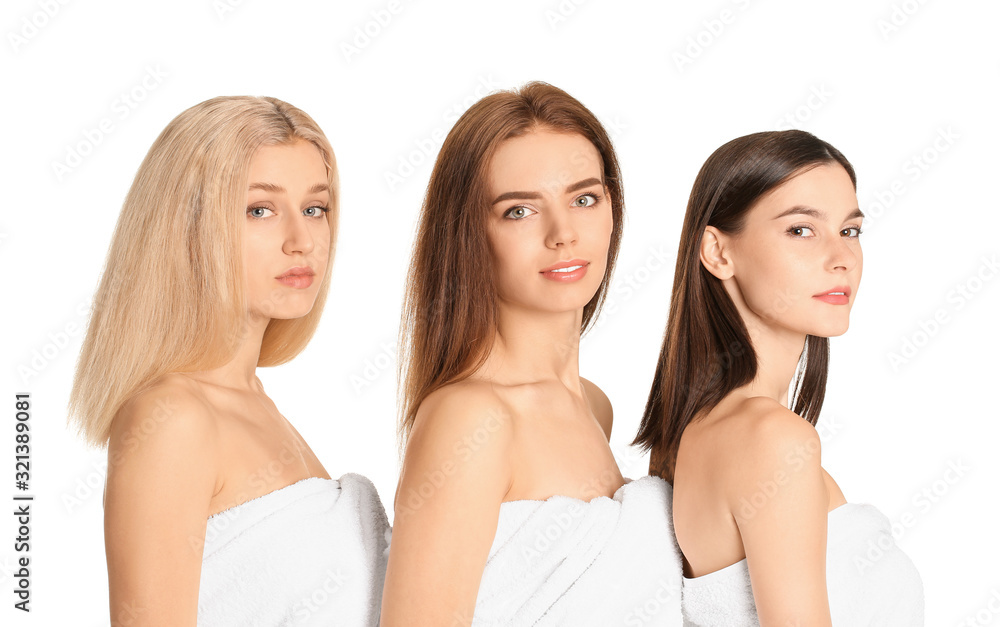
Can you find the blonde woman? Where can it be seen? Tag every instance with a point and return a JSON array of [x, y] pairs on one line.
[[216, 510]]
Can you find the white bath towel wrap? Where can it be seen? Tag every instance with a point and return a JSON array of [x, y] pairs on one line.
[[869, 580], [312, 553], [564, 561]]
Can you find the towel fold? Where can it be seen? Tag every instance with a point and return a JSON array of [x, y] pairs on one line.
[[563, 561], [312, 553]]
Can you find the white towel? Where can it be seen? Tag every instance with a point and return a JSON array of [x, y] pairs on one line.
[[563, 561], [312, 553], [869, 580]]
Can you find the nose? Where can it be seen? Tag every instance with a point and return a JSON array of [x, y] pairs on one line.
[[562, 231], [298, 237], [843, 255]]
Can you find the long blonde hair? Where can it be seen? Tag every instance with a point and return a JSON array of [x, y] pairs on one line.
[[171, 297]]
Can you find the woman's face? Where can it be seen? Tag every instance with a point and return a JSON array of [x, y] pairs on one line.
[[287, 237], [797, 261], [550, 220]]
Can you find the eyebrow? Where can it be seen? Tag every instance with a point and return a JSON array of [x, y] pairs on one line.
[[277, 189], [535, 195], [815, 213]]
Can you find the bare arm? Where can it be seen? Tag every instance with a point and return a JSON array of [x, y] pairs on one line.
[[455, 474], [161, 478], [780, 505]]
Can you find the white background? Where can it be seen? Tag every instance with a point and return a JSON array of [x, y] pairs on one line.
[[881, 80]]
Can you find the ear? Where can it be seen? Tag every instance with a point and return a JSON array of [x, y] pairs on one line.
[[714, 253]]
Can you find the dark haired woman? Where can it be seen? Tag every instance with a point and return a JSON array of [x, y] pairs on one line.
[[510, 507], [768, 268]]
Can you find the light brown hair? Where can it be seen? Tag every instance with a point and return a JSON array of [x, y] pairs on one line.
[[450, 307]]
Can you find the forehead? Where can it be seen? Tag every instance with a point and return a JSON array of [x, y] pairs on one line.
[[298, 159], [543, 161], [827, 188]]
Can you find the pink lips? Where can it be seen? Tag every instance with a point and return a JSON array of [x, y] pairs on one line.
[[299, 277], [566, 271], [836, 296]]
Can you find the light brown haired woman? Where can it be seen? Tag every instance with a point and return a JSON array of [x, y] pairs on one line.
[[216, 510], [510, 507]]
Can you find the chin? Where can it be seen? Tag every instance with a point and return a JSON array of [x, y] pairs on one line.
[[829, 330], [291, 310]]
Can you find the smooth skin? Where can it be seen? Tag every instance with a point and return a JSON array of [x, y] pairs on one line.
[[748, 481], [196, 444], [525, 426]]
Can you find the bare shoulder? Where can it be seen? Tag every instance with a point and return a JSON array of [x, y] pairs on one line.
[[463, 431], [168, 422], [763, 428], [458, 408], [600, 404], [766, 443]]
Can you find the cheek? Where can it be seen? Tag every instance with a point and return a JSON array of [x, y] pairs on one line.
[[772, 283], [608, 228], [254, 264], [514, 260], [322, 247]]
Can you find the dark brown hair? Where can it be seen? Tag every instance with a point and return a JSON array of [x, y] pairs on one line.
[[707, 352], [450, 307]]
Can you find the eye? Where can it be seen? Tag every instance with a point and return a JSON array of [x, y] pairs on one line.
[[257, 212], [519, 212], [852, 231], [316, 212], [800, 231], [587, 200]]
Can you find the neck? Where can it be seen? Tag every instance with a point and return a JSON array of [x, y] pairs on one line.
[[240, 372], [535, 346], [778, 353], [778, 350]]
